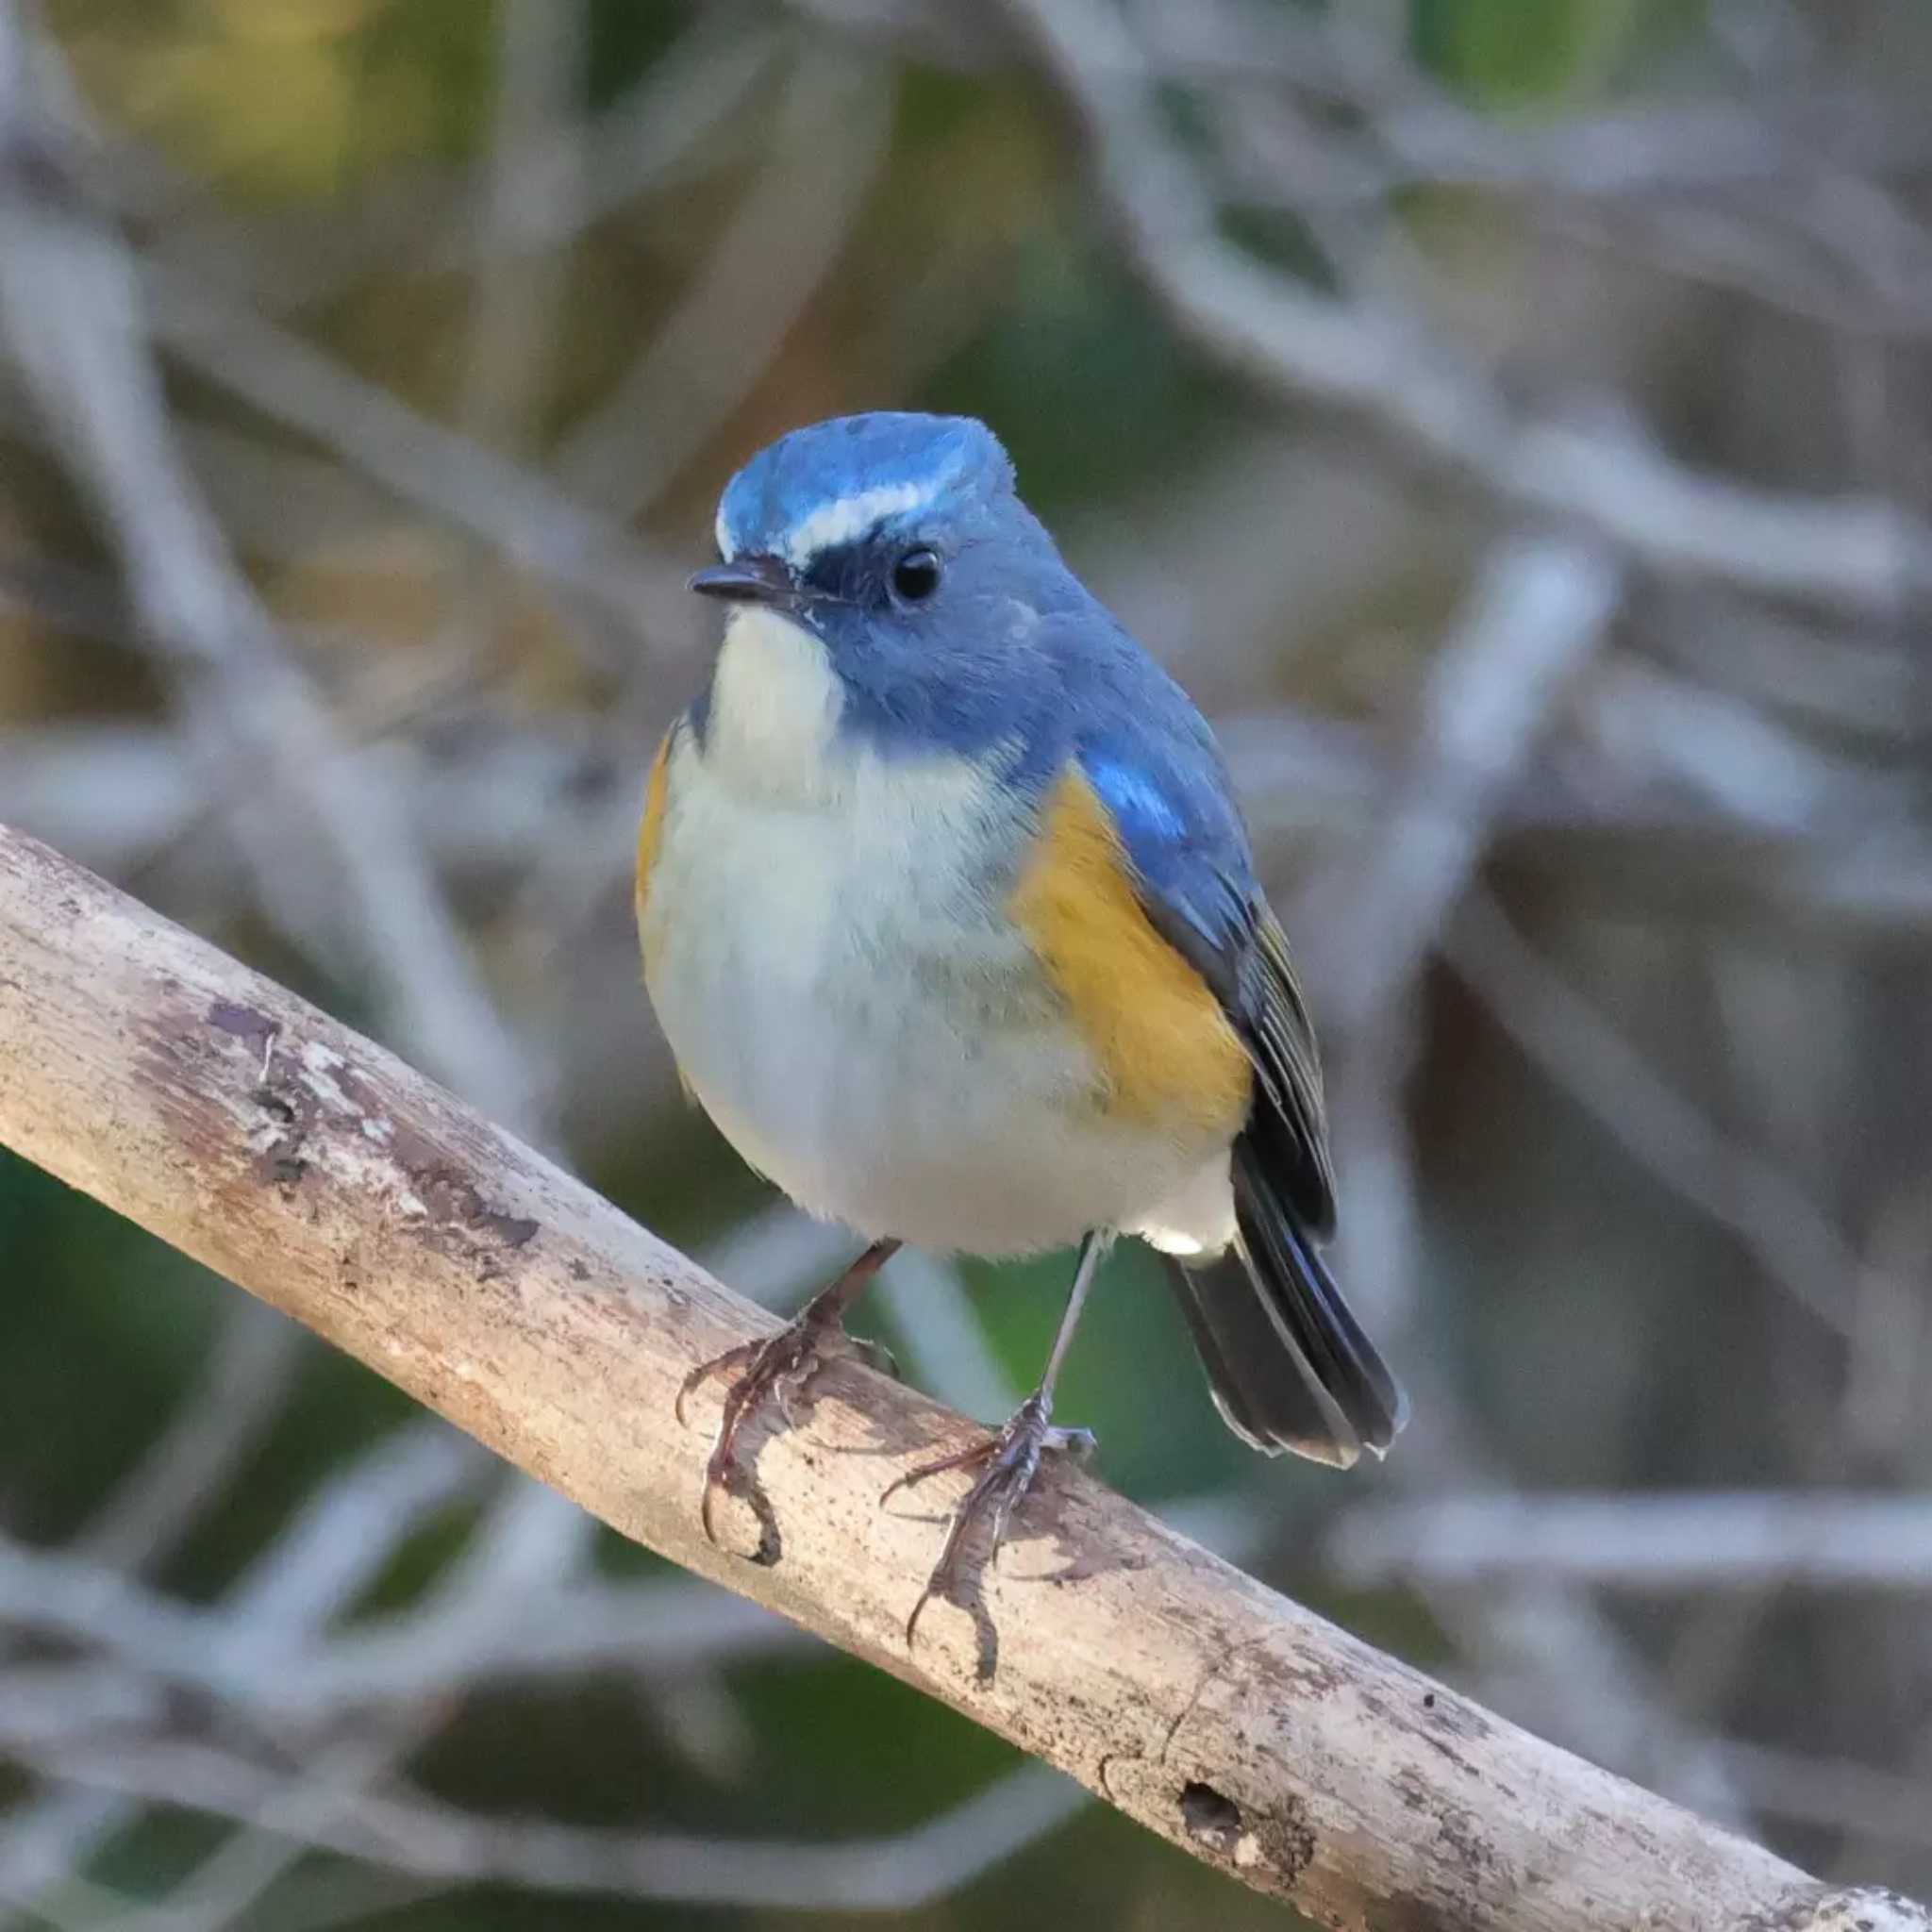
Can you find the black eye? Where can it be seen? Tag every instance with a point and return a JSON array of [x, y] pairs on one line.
[[916, 575]]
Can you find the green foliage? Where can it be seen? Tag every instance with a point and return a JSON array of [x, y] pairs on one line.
[[84, 1286], [1538, 53], [624, 39]]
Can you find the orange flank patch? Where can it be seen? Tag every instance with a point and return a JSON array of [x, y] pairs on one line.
[[1165, 1046], [653, 827]]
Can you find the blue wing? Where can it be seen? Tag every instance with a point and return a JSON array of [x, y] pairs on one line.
[[1289, 1365], [1160, 774], [1171, 806]]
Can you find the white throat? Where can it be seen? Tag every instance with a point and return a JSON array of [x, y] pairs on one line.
[[773, 722]]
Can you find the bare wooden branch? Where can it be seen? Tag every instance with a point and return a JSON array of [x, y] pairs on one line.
[[313, 1167]]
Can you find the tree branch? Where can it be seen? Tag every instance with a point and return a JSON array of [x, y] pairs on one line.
[[307, 1164]]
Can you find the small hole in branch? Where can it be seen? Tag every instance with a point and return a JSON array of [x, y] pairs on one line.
[[1210, 1817]]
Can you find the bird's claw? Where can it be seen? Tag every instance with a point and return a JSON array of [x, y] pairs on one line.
[[708, 1371], [1007, 1462], [775, 1365]]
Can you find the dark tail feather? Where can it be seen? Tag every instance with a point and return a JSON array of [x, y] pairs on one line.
[[1288, 1365]]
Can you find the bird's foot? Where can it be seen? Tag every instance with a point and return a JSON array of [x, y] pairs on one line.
[[774, 1367], [1007, 1463]]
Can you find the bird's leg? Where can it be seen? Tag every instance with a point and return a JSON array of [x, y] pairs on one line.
[[1009, 1459], [781, 1364]]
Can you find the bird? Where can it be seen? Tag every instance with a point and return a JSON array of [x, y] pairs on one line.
[[950, 918]]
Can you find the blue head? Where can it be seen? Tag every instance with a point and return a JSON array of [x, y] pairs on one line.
[[897, 541], [935, 613]]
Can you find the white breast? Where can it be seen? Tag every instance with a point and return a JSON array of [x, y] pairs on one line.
[[824, 948]]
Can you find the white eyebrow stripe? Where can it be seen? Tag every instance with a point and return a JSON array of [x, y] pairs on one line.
[[833, 524]]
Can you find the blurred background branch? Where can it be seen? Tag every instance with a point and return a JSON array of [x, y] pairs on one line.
[[1516, 431]]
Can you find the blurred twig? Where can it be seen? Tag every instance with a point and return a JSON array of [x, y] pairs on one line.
[[1867, 555], [695, 102], [1537, 613], [70, 304], [1763, 1206], [1721, 1540], [1854, 1798], [219, 1416], [329, 1556], [828, 139], [409, 1833], [438, 470]]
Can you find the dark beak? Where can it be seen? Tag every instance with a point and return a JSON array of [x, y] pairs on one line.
[[748, 580]]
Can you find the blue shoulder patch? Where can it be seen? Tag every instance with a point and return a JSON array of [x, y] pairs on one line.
[[1168, 795]]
